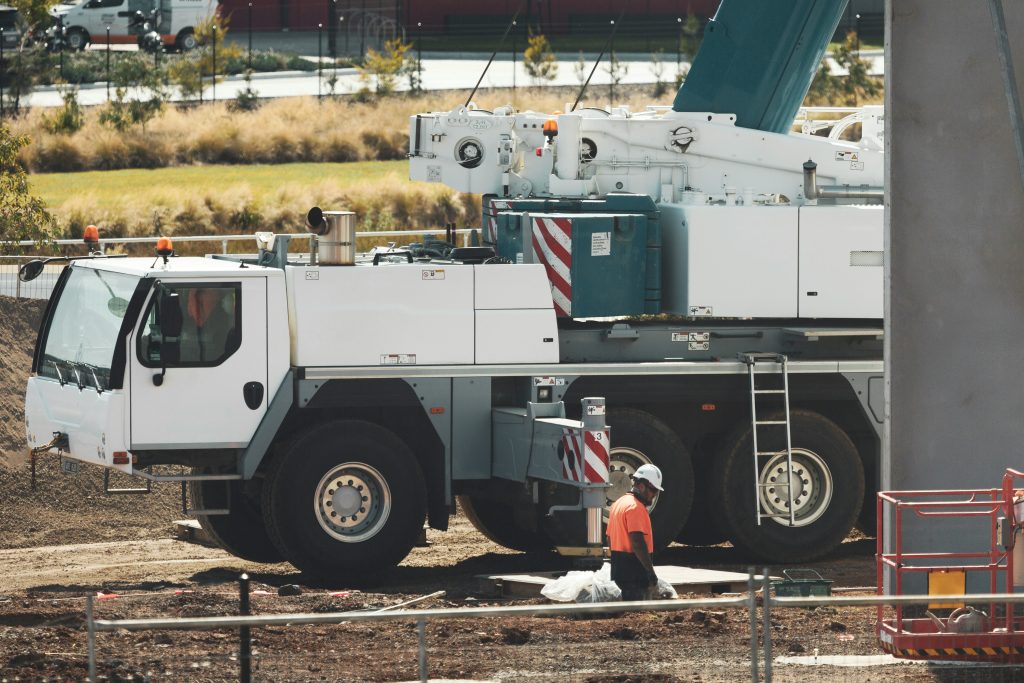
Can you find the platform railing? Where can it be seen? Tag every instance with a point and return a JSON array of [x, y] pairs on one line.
[[41, 287], [757, 598]]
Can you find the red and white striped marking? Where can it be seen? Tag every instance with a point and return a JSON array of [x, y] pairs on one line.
[[585, 456], [552, 246], [491, 233]]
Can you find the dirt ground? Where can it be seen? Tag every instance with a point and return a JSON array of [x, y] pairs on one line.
[[65, 540]]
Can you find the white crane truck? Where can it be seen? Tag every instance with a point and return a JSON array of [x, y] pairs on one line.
[[676, 262]]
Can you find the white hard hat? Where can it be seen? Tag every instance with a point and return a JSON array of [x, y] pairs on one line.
[[649, 473]]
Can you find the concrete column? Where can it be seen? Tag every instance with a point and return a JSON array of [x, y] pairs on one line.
[[955, 253]]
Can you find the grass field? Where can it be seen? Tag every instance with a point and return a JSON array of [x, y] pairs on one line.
[[209, 200], [108, 190]]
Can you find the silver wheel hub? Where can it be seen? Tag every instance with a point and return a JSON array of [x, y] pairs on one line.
[[622, 463], [352, 502], [809, 479]]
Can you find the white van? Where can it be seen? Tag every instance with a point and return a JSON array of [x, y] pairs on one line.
[[86, 21]]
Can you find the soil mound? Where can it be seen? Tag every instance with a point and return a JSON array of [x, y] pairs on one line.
[[64, 508], [19, 323]]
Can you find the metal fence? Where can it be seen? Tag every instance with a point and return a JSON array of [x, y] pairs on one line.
[[739, 637], [42, 287]]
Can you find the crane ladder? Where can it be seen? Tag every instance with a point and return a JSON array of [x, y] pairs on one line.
[[759, 426]]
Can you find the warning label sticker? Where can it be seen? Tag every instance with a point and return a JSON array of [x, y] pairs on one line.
[[601, 244], [847, 156], [433, 274]]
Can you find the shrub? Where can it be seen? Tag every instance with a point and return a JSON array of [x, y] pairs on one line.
[[539, 59], [386, 146], [383, 68], [68, 117]]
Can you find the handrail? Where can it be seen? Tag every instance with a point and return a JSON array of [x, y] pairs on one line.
[[235, 238]]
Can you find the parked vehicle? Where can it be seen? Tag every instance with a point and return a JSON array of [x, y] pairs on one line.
[[87, 21], [10, 27]]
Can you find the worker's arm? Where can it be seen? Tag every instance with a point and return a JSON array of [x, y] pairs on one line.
[[639, 545]]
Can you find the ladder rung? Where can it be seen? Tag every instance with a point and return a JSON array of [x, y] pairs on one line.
[[770, 452], [770, 422], [769, 391], [781, 515]]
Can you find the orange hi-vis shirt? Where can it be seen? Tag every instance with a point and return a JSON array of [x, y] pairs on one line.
[[625, 515]]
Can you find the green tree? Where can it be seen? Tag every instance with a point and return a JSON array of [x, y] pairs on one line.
[[384, 68], [140, 91], [658, 70], [828, 89], [539, 59], [192, 71], [22, 215], [67, 118]]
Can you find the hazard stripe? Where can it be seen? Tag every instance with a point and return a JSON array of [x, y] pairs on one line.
[[561, 292], [988, 650], [953, 651], [557, 254], [595, 459]]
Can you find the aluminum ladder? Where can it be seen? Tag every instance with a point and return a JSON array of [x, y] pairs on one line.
[[780, 361]]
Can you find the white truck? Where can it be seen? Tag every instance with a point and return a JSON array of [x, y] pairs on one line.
[[689, 270], [88, 21]]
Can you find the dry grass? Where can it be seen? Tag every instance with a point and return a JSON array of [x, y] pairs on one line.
[[281, 131], [236, 200]]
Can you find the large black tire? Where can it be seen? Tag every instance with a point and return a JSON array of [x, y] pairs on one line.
[[345, 499], [703, 526], [829, 489], [496, 521], [240, 532], [640, 438], [186, 40], [76, 39]]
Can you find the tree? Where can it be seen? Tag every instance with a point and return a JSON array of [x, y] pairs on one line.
[[539, 59], [149, 87], [22, 215], [828, 89], [384, 68], [658, 71], [616, 72], [194, 69]]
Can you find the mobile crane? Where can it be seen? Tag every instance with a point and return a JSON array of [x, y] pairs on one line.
[[682, 263]]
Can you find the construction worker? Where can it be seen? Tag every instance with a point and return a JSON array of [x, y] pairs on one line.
[[630, 537]]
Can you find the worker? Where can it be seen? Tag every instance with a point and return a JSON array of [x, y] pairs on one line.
[[207, 334], [631, 539]]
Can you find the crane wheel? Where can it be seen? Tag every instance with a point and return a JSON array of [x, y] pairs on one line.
[[345, 499], [827, 477], [496, 521], [241, 532]]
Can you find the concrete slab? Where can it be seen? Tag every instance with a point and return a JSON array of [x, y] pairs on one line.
[[189, 530], [683, 579]]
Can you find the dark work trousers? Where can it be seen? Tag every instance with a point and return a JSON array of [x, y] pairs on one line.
[[630, 576]]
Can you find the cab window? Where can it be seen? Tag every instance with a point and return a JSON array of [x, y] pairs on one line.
[[211, 329]]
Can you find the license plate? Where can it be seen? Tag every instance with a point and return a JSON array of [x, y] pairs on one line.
[[69, 466]]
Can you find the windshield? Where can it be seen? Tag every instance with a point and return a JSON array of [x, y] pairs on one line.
[[79, 345]]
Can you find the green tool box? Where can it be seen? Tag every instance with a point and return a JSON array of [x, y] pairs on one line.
[[811, 584]]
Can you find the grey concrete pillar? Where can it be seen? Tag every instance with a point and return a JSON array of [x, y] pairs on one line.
[[955, 254]]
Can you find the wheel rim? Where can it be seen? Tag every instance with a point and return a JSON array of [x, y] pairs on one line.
[[812, 485], [622, 463], [352, 502], [75, 40], [188, 42]]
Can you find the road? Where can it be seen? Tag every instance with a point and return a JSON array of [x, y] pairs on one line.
[[437, 74]]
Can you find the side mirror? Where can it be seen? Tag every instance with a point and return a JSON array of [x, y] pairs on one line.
[[31, 270]]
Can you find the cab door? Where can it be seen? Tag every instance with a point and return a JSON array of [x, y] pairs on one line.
[[204, 384]]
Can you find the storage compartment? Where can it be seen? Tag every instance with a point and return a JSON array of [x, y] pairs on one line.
[[841, 265], [730, 261]]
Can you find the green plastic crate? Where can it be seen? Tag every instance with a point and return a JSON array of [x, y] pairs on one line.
[[812, 584]]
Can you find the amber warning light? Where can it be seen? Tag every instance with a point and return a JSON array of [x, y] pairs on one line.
[[164, 248], [91, 235]]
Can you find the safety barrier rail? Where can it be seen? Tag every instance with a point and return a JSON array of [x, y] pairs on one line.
[[758, 597], [41, 287]]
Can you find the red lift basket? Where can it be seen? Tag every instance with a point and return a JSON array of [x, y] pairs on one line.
[[918, 636]]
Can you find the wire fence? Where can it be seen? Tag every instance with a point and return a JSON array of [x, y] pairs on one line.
[[353, 636], [42, 286]]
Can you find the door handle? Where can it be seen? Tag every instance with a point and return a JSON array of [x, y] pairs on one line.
[[252, 392]]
